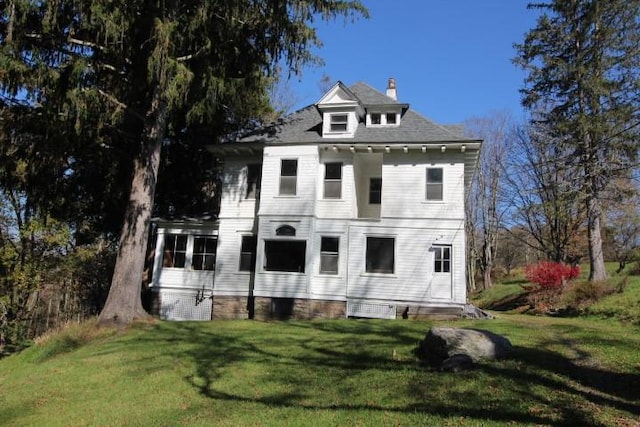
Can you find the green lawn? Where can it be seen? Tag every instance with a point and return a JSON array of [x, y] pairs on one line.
[[322, 373]]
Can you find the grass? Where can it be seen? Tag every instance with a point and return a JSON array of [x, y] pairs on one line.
[[344, 372]]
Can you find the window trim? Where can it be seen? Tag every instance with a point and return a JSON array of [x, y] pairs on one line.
[[434, 184]]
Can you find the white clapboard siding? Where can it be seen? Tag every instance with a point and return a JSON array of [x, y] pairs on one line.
[[271, 202], [329, 286], [229, 280], [345, 207], [233, 203], [413, 264], [404, 186]]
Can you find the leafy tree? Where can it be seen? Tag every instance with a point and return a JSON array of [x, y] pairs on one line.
[[116, 80], [583, 64]]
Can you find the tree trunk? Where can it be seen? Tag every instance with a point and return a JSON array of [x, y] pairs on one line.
[[597, 271], [124, 303]]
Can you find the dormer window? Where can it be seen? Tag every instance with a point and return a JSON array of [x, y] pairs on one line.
[[391, 118], [338, 122], [377, 119]]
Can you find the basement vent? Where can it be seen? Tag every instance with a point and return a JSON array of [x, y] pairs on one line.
[[183, 307], [371, 310]]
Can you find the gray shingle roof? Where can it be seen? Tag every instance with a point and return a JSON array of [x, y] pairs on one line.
[[305, 126]]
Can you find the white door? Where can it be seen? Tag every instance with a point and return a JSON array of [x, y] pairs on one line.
[[441, 262]]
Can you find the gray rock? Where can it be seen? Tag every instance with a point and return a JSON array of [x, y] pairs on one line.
[[443, 343], [457, 363], [470, 311]]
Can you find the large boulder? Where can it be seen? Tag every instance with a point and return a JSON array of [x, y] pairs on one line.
[[441, 344]]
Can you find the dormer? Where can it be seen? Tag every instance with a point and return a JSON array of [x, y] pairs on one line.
[[383, 115], [341, 111]]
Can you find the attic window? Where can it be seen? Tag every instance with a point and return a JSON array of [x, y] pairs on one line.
[[338, 122], [391, 118], [382, 119]]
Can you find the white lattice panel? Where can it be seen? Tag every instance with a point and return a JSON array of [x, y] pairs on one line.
[[183, 307], [367, 309]]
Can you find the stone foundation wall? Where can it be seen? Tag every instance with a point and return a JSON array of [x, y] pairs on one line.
[[428, 313], [230, 307], [296, 308]]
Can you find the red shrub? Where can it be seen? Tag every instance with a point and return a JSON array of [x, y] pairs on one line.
[[547, 274]]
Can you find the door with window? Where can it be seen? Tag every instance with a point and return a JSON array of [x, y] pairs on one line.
[[442, 263]]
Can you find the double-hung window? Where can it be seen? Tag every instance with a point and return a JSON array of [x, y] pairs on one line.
[[288, 177], [254, 173], [380, 255], [332, 180], [375, 191], [248, 253], [434, 184], [338, 122], [329, 255]]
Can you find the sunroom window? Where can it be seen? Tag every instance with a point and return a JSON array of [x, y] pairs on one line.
[[204, 253], [175, 250]]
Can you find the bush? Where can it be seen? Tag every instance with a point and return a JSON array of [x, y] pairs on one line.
[[580, 295], [550, 275]]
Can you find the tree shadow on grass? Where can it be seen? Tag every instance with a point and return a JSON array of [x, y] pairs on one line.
[[535, 386]]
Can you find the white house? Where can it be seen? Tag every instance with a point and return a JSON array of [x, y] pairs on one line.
[[353, 206]]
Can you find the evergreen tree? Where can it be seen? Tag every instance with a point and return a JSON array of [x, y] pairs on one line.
[[110, 82], [583, 81]]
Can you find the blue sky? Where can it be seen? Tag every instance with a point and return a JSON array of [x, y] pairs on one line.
[[451, 58]]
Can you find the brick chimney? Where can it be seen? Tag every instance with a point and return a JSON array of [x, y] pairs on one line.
[[391, 89]]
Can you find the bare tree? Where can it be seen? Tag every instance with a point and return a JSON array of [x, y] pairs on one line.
[[484, 209], [544, 198]]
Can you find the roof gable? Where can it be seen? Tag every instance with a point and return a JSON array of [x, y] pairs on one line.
[[338, 95]]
